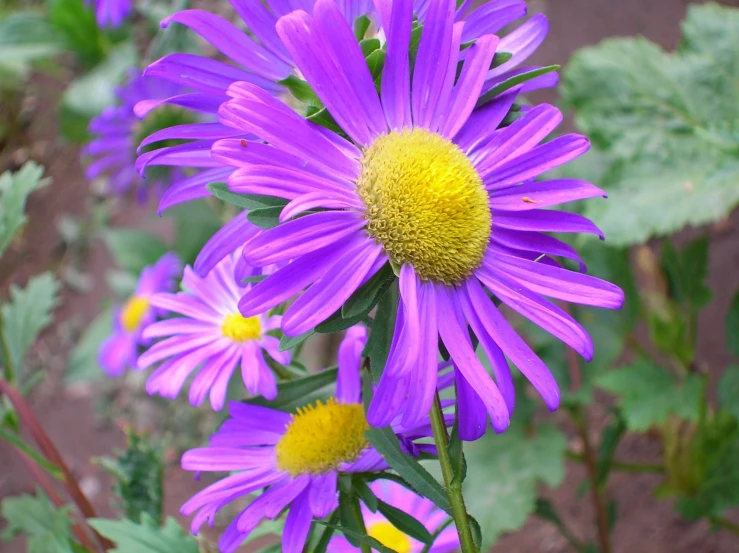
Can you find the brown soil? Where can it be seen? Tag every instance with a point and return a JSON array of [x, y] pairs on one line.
[[644, 525]]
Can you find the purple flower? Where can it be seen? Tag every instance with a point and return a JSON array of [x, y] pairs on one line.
[[262, 59], [122, 348], [211, 334], [382, 530], [297, 457], [111, 13], [117, 131], [427, 182]]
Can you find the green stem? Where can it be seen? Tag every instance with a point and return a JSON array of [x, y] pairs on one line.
[[726, 524], [13, 438], [453, 485], [8, 368], [359, 519], [649, 468]]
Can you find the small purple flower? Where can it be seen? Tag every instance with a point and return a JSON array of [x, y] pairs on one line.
[[382, 530], [122, 348], [117, 131], [297, 457], [211, 334], [111, 13], [259, 57], [441, 189]]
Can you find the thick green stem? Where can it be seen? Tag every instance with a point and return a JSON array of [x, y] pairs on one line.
[[359, 519], [453, 485]]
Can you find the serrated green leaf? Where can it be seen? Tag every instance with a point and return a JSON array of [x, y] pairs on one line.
[[503, 476], [366, 494], [47, 528], [133, 249], [145, 537], [648, 394], [138, 472], [26, 314], [728, 390], [668, 124], [298, 392], [14, 191], [732, 326], [83, 363], [404, 522], [387, 444]]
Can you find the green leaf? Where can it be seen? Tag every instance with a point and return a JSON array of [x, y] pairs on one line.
[[369, 45], [289, 342], [387, 444], [728, 390], [516, 80], [459, 464], [14, 191], [325, 119], [133, 249], [648, 394], [88, 95], [375, 62], [504, 473], [610, 439], [357, 536], [686, 273], [47, 528], [337, 323], [732, 326], [145, 537], [139, 472], [404, 522], [327, 533], [301, 90], [195, 223], [83, 363], [298, 392], [667, 123], [366, 494], [76, 25], [265, 217], [365, 298], [26, 314], [381, 332], [25, 37], [361, 25]]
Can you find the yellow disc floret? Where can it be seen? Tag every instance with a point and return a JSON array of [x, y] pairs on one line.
[[241, 329], [389, 536], [321, 437], [133, 312], [425, 203]]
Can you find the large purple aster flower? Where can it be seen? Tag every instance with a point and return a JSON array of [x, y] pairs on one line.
[[259, 57], [382, 530], [118, 131], [427, 183], [211, 334], [297, 457], [121, 349], [111, 13]]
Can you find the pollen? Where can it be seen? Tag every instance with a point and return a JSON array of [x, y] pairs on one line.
[[241, 329], [133, 312], [389, 536], [321, 437], [425, 204]]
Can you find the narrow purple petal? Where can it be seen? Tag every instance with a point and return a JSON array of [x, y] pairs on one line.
[[522, 43], [223, 243], [322, 494], [348, 381], [471, 411], [297, 525], [396, 81], [544, 220]]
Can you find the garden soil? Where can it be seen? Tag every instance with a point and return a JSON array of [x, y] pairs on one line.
[[644, 525]]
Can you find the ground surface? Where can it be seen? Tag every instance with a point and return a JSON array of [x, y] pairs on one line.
[[644, 525]]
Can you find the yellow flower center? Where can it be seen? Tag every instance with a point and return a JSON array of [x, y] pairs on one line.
[[389, 536], [241, 329], [132, 313], [321, 437], [425, 204]]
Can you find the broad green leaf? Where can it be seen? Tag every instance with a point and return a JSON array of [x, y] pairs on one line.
[[133, 249], [25, 37], [504, 472], [195, 223], [648, 394], [732, 326], [83, 363], [47, 528], [667, 123], [298, 392], [386, 442], [88, 95], [26, 314], [14, 191], [728, 390], [145, 537], [139, 473]]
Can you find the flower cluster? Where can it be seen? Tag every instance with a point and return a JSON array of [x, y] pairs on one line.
[[384, 157]]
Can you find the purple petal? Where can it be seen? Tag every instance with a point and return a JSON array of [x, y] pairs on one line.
[[223, 243], [545, 221], [396, 83], [522, 43], [192, 188], [322, 494], [543, 194], [471, 411], [482, 124], [348, 381], [491, 17], [297, 525], [536, 242]]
